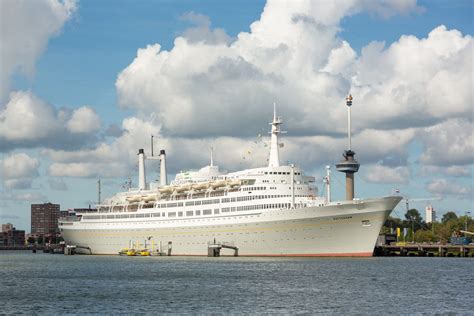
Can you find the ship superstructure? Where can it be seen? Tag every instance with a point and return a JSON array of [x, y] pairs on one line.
[[273, 210]]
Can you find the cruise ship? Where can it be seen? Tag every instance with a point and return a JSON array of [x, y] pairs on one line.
[[274, 210]]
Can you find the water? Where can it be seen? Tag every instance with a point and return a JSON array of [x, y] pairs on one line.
[[56, 284]]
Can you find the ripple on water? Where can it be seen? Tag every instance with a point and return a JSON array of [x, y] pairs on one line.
[[49, 284]]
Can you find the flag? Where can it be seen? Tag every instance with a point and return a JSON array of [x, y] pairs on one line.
[[398, 231], [405, 231]]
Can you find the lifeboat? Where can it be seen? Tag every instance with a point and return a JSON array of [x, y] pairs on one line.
[[145, 253], [234, 183], [149, 198], [133, 198], [131, 252], [218, 184], [167, 189], [201, 186], [183, 188]]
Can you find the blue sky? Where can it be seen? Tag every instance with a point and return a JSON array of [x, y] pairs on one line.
[[96, 43]]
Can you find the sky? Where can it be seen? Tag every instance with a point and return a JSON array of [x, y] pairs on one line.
[[84, 85]]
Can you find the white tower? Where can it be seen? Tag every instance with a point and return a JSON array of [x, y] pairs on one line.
[[430, 214], [274, 160]]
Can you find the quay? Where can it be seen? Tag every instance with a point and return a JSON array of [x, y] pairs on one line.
[[24, 247], [424, 250]]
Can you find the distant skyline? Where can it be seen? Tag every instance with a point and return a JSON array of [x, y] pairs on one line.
[[84, 84]]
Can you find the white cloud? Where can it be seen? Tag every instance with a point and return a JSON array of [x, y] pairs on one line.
[[18, 171], [453, 171], [384, 174], [26, 117], [116, 159], [448, 143], [119, 158], [82, 169], [28, 121], [202, 32], [442, 187], [26, 27], [83, 120], [400, 85], [293, 56]]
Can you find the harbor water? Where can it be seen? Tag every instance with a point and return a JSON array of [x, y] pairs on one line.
[[56, 284]]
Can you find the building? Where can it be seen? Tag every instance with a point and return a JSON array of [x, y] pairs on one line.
[[11, 237], [6, 227], [430, 214], [44, 218]]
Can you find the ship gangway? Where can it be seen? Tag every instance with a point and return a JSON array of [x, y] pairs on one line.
[[214, 248]]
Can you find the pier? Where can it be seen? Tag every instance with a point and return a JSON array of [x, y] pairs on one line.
[[424, 250]]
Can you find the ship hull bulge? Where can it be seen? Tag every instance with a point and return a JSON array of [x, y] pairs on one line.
[[337, 229]]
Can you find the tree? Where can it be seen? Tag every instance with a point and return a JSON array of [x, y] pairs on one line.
[[393, 222], [424, 236], [31, 240], [415, 216], [448, 216]]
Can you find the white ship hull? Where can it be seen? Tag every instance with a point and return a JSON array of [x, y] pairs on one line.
[[336, 229]]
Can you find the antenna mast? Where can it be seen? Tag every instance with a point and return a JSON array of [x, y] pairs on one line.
[[274, 160], [98, 191]]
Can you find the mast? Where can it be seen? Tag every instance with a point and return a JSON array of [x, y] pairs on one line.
[[98, 191], [328, 183], [274, 160]]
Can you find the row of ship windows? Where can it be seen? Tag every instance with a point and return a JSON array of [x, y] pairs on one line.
[[134, 207], [191, 213]]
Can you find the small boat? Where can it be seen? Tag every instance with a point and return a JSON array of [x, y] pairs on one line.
[[123, 252], [131, 252], [145, 253]]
